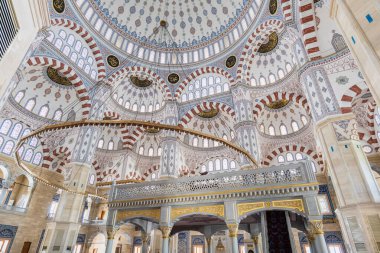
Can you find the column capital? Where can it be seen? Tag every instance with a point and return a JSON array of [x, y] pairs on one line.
[[233, 229], [165, 231], [255, 239], [208, 240], [315, 227], [144, 237], [111, 232]]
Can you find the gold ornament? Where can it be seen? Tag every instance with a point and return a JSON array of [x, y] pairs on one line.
[[123, 215], [316, 227], [245, 208], [165, 231], [233, 229], [217, 210]]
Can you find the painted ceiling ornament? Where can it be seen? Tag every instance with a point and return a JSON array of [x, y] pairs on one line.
[[270, 45], [142, 83], [152, 130], [208, 114], [173, 78], [56, 77], [278, 104], [231, 61], [113, 61], [59, 6], [273, 6]]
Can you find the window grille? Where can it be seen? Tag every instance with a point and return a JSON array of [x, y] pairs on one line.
[[8, 26]]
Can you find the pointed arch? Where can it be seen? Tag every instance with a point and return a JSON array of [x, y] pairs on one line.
[[88, 38], [123, 72], [206, 106], [348, 97], [202, 71], [61, 153], [257, 38], [68, 72]]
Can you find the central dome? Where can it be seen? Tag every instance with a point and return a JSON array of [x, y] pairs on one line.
[[191, 25]]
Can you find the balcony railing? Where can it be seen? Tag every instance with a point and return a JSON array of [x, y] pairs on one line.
[[300, 173], [8, 26], [13, 208]]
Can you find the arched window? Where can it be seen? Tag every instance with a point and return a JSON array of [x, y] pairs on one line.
[[16, 131], [100, 143], [218, 164], [289, 157], [195, 142], [92, 179], [150, 108], [226, 87], [184, 98], [159, 151], [150, 151], [211, 91], [157, 106], [253, 82], [280, 159], [120, 101], [58, 43], [44, 111], [233, 165], [283, 129], [225, 164], [110, 145], [127, 104], [5, 127], [142, 108], [28, 155], [8, 147], [37, 158], [281, 74], [225, 137], [262, 81], [271, 130], [26, 132], [58, 115], [272, 78], [203, 168], [70, 40], [262, 128], [204, 92], [30, 104], [74, 57], [288, 67], [218, 89], [299, 156], [141, 150], [19, 96], [304, 120], [295, 126], [210, 166], [205, 143], [33, 142], [134, 107]]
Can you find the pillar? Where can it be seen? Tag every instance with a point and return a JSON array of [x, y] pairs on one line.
[[316, 236], [144, 238], [255, 239], [111, 231], [361, 37], [172, 158], [358, 194], [165, 238], [209, 244], [264, 232], [233, 231]]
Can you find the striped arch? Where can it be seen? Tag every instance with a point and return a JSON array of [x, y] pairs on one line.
[[97, 169], [61, 153], [88, 38], [299, 99], [108, 172], [253, 44], [131, 135], [206, 106], [68, 72], [292, 148], [149, 171], [348, 97], [185, 171], [133, 175], [111, 116], [121, 73], [202, 71], [287, 9], [309, 28]]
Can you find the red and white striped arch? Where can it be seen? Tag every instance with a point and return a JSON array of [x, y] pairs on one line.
[[111, 115], [149, 171], [296, 98], [292, 148], [68, 72], [89, 40], [257, 38], [199, 72], [348, 97], [309, 28], [204, 107], [61, 153], [126, 71], [287, 9]]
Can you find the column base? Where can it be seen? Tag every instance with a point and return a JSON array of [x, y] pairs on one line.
[[60, 237]]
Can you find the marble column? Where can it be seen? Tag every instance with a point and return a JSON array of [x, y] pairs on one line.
[[264, 232], [255, 239], [209, 244], [144, 238], [111, 231], [165, 238], [316, 236], [233, 231]]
